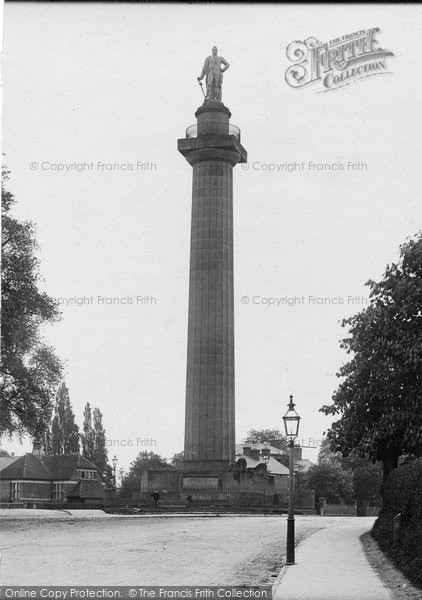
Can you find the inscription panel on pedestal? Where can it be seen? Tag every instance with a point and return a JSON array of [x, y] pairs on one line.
[[200, 482]]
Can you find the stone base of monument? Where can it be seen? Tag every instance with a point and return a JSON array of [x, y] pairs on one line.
[[217, 484], [188, 476], [204, 476], [204, 466]]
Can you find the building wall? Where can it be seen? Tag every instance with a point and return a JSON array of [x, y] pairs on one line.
[[4, 491], [305, 499], [163, 480], [281, 485], [28, 490], [36, 490], [68, 486], [297, 453]]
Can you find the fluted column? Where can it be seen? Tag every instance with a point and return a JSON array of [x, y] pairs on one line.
[[210, 394]]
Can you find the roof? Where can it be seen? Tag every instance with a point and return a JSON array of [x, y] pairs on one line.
[[5, 461], [26, 467], [276, 468], [272, 449], [48, 467], [87, 488], [273, 467], [63, 466]]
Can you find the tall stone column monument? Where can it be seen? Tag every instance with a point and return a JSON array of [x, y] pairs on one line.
[[212, 148]]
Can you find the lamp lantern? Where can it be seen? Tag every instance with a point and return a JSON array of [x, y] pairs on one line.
[[291, 421]]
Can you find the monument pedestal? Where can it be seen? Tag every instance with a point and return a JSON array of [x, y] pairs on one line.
[[204, 475]]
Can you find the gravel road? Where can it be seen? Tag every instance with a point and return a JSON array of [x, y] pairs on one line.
[[230, 550]]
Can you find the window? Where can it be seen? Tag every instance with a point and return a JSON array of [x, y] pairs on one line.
[[58, 491], [87, 474], [16, 490]]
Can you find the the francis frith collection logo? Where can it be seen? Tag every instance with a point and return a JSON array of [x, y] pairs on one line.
[[336, 63]]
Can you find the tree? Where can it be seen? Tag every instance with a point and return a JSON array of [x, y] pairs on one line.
[[48, 445], [177, 458], [64, 433], [87, 437], [326, 454], [267, 436], [366, 477], [100, 450], [131, 482], [378, 401], [94, 438], [331, 481], [30, 372], [108, 475]]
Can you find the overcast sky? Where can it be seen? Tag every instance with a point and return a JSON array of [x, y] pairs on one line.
[[116, 83]]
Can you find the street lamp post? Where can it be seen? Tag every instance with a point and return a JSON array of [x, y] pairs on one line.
[[266, 458], [114, 461], [291, 424]]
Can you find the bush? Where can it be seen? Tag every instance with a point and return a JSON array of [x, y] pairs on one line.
[[402, 495], [332, 482]]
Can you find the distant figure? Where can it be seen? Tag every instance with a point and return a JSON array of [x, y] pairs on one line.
[[188, 500], [214, 72], [156, 497]]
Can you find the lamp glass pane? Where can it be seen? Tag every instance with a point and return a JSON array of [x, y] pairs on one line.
[[291, 425]]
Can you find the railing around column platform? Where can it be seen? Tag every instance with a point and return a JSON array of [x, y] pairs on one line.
[[192, 131]]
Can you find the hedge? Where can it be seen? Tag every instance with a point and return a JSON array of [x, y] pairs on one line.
[[402, 495]]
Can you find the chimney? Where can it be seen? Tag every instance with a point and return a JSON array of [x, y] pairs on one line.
[[246, 450], [254, 453], [297, 453], [36, 448], [279, 444]]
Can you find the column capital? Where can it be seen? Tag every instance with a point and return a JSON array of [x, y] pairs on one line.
[[201, 154], [215, 143]]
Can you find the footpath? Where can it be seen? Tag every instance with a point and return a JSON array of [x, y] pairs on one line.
[[331, 565], [67, 513]]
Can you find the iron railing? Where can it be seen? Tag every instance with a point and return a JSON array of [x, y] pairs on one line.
[[192, 131]]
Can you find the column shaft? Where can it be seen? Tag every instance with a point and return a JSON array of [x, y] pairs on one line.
[[209, 431]]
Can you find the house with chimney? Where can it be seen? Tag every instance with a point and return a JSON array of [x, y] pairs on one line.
[[40, 479], [259, 460], [268, 461], [277, 451]]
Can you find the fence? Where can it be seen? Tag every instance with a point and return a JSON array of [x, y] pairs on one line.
[[396, 527], [212, 496], [347, 510], [338, 510], [233, 496]]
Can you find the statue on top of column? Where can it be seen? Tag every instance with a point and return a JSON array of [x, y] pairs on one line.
[[214, 72]]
